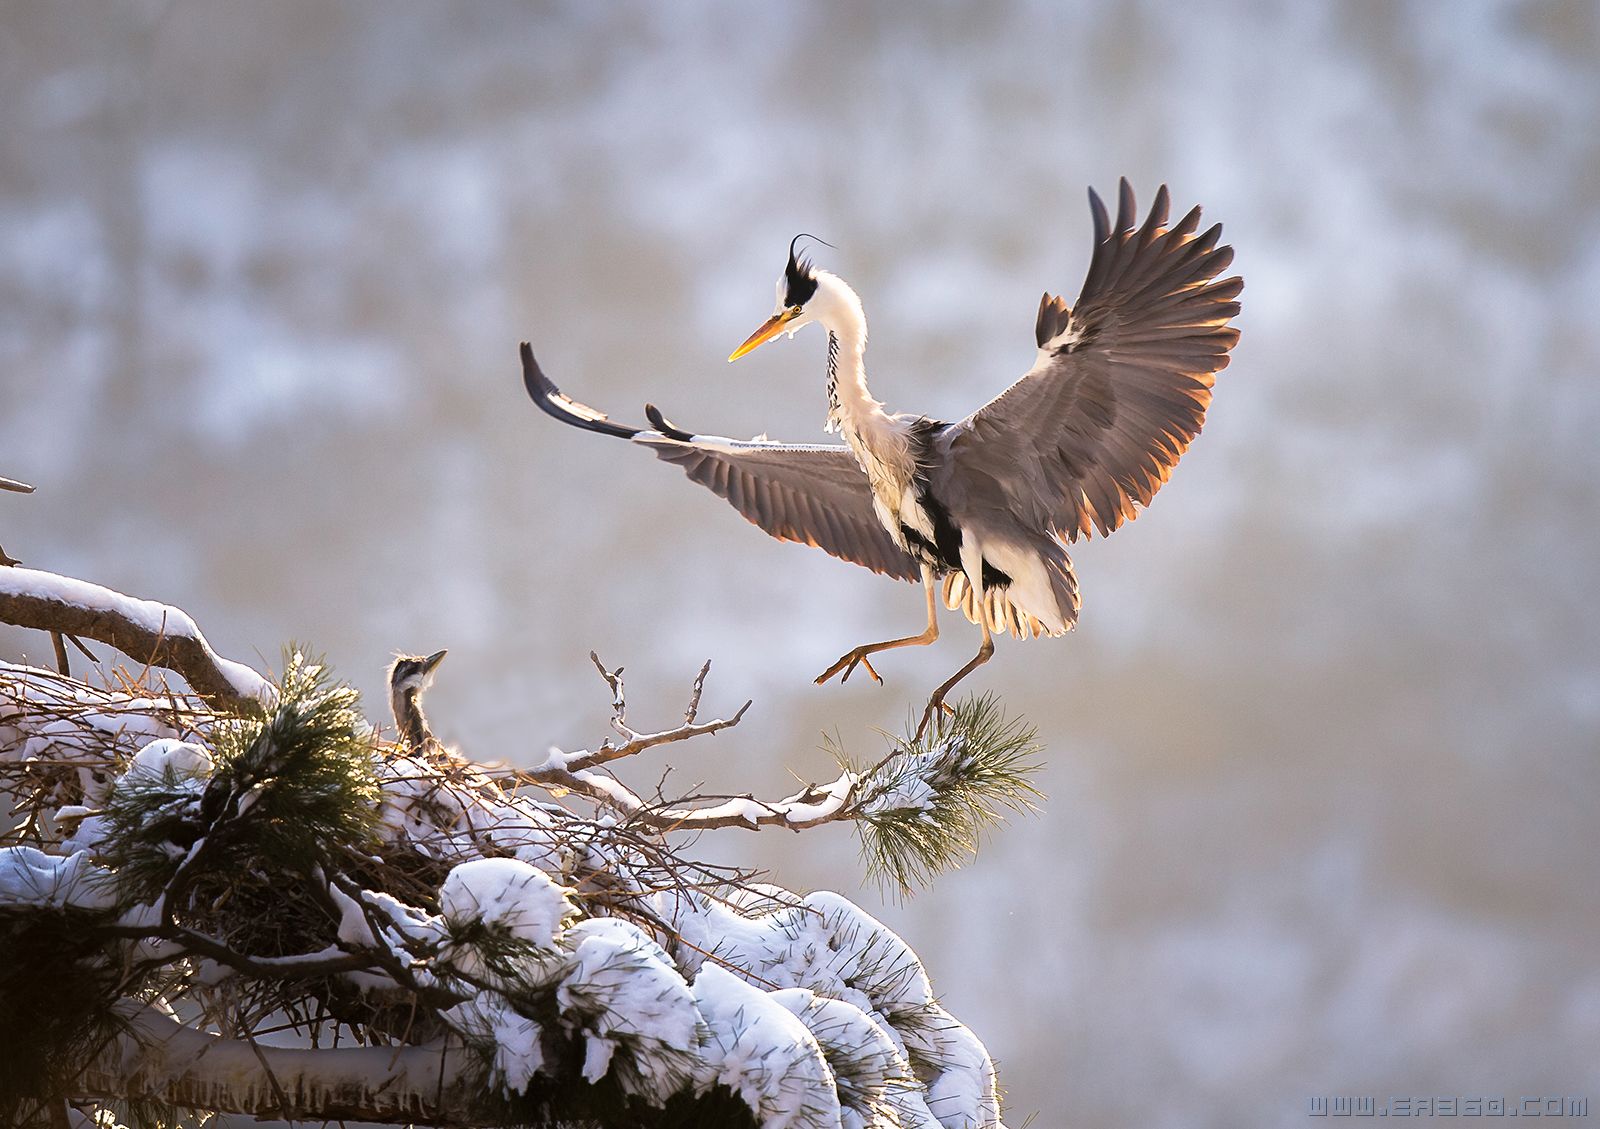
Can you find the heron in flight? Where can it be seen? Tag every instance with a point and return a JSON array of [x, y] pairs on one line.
[[977, 509]]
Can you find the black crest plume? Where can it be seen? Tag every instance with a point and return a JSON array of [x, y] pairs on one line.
[[800, 282]]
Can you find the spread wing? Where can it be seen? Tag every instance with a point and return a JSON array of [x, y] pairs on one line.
[[1122, 382], [812, 493]]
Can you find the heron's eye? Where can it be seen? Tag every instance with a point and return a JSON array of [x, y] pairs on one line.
[[794, 311]]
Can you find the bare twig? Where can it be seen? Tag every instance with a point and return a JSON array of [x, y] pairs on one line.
[[636, 742], [694, 694], [298, 966], [87, 653], [573, 772]]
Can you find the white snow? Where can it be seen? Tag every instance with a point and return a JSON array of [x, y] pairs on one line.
[[741, 808], [809, 1010], [763, 1053], [166, 756], [353, 927], [838, 951], [622, 991], [818, 802], [29, 877], [509, 894], [870, 1071], [964, 1093], [490, 1018], [149, 615]]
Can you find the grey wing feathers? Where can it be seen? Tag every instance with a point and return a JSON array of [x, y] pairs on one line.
[[814, 494], [1123, 380]]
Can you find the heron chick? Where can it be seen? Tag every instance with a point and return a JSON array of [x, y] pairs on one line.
[[978, 509], [409, 676]]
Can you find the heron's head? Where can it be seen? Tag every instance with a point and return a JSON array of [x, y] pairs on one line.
[[798, 303], [412, 672]]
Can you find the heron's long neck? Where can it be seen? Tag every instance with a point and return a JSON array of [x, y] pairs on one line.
[[851, 408], [409, 718]]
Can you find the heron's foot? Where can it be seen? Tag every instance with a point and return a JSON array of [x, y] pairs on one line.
[[937, 706], [848, 664]]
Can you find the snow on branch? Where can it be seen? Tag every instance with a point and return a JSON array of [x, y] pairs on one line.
[[148, 632], [178, 881], [574, 772], [156, 1057], [920, 808]]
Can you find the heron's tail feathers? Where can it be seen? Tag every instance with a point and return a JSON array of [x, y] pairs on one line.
[[1042, 601]]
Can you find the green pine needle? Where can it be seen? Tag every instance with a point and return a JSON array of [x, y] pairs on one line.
[[288, 787], [309, 765], [924, 809]]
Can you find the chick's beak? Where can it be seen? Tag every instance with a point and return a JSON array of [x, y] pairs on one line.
[[432, 661], [769, 329]]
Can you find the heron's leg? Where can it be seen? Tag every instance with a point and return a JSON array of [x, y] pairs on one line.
[[935, 703], [848, 663]]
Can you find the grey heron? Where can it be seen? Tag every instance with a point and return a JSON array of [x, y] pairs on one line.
[[409, 676], [980, 507]]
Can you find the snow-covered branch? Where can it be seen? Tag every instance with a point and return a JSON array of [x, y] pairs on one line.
[[158, 1057], [523, 961], [574, 772], [147, 632]]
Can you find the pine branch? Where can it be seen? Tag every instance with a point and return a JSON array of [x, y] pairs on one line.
[[921, 808], [924, 808], [287, 864]]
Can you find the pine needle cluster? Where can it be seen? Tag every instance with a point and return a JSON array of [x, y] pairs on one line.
[[924, 808], [303, 779], [287, 788]]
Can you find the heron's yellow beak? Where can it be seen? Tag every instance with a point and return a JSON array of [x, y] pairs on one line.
[[769, 329]]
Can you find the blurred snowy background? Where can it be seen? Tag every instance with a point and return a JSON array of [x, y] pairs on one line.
[[1322, 756]]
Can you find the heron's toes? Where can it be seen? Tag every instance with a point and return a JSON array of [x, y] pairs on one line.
[[937, 708], [847, 664]]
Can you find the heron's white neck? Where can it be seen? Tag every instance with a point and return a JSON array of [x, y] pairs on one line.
[[851, 407]]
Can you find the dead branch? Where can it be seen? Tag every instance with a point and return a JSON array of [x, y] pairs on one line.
[[574, 772], [146, 631], [636, 742]]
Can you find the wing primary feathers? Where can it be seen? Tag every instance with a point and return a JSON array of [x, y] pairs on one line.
[[1089, 435], [1102, 224], [662, 424], [552, 401], [816, 494], [1127, 215]]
